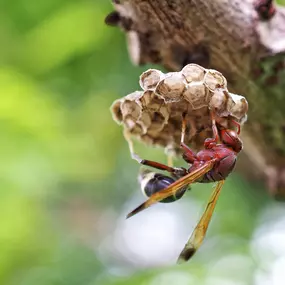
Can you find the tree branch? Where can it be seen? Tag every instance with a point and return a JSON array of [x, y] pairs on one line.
[[245, 40]]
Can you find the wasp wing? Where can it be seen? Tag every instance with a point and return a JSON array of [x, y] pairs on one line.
[[174, 187], [200, 230]]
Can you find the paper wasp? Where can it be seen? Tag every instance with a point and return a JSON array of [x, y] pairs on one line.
[[214, 163]]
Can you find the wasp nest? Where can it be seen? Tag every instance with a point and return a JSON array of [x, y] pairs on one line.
[[154, 115]]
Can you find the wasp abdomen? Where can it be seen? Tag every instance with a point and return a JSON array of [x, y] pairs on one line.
[[152, 182]]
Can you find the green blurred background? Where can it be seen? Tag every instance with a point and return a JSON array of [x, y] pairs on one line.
[[67, 180]]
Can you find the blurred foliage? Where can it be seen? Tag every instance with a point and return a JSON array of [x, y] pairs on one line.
[[60, 70]]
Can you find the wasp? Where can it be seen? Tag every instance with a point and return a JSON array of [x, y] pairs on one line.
[[214, 163]]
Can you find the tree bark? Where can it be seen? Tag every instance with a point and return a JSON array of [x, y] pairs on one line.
[[245, 40]]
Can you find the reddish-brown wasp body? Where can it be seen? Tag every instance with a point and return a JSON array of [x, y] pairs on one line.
[[214, 163], [223, 155]]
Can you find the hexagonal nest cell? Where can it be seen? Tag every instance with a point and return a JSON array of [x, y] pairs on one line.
[[154, 115]]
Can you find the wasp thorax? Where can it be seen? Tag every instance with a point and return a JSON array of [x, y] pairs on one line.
[[193, 72], [150, 78], [171, 87]]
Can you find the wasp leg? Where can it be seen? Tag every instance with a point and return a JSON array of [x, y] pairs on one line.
[[188, 154], [157, 165], [131, 146], [183, 127], [170, 160], [216, 137], [177, 172], [154, 164], [210, 142], [237, 125]]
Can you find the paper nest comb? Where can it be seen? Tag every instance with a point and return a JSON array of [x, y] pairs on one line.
[[154, 115]]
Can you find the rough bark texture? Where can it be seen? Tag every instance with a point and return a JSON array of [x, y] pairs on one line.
[[245, 40]]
